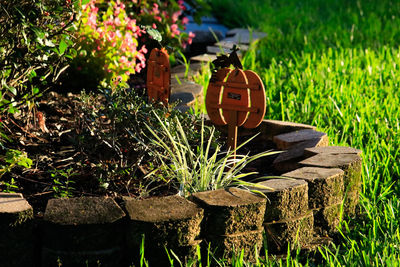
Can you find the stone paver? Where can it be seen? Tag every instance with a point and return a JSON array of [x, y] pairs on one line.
[[327, 219], [289, 159], [221, 50], [351, 165], [172, 222], [183, 98], [81, 231], [204, 58], [296, 231], [287, 198], [325, 186], [230, 211], [13, 203], [180, 73], [187, 87], [243, 36], [17, 231], [223, 246], [287, 140], [83, 210], [309, 152], [229, 45]]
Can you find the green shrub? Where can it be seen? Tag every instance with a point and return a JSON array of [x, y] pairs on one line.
[[35, 44]]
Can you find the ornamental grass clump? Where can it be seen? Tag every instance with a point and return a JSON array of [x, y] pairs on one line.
[[202, 167]]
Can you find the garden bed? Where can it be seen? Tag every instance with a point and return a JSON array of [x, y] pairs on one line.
[[322, 186]]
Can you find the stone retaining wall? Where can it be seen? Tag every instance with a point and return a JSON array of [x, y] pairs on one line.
[[321, 185]]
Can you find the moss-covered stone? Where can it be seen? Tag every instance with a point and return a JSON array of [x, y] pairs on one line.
[[296, 232], [349, 163], [287, 199], [327, 219], [351, 202], [231, 210], [325, 186], [82, 210], [17, 231], [80, 230], [228, 245], [170, 221]]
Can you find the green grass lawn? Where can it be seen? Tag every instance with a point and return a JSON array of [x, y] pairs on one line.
[[336, 65]]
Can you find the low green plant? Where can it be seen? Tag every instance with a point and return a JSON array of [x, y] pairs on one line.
[[199, 168], [12, 159], [62, 182]]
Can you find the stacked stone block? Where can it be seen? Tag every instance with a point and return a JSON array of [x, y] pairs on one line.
[[287, 219], [233, 221], [16, 228], [325, 196], [167, 224], [82, 231], [351, 165]]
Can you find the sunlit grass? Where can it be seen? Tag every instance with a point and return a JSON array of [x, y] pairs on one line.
[[336, 65]]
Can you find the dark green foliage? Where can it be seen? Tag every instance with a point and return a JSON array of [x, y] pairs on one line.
[[34, 46]]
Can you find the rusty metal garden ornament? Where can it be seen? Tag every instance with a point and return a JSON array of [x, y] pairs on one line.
[[237, 98], [158, 76]]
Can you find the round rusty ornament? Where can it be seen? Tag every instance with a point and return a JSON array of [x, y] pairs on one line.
[[239, 91]]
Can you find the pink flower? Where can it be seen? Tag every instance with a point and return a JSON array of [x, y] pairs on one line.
[[155, 9], [190, 39], [185, 20], [143, 49], [123, 59], [176, 15], [92, 20], [110, 36], [175, 31], [117, 21], [154, 26]]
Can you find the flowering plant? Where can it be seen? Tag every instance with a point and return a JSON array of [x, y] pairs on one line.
[[108, 40], [165, 16]]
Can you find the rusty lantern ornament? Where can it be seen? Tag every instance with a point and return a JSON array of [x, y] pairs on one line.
[[236, 98], [158, 76]]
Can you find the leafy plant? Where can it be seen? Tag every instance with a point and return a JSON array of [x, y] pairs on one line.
[[35, 44], [167, 17], [62, 183], [108, 43], [12, 158], [204, 168]]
